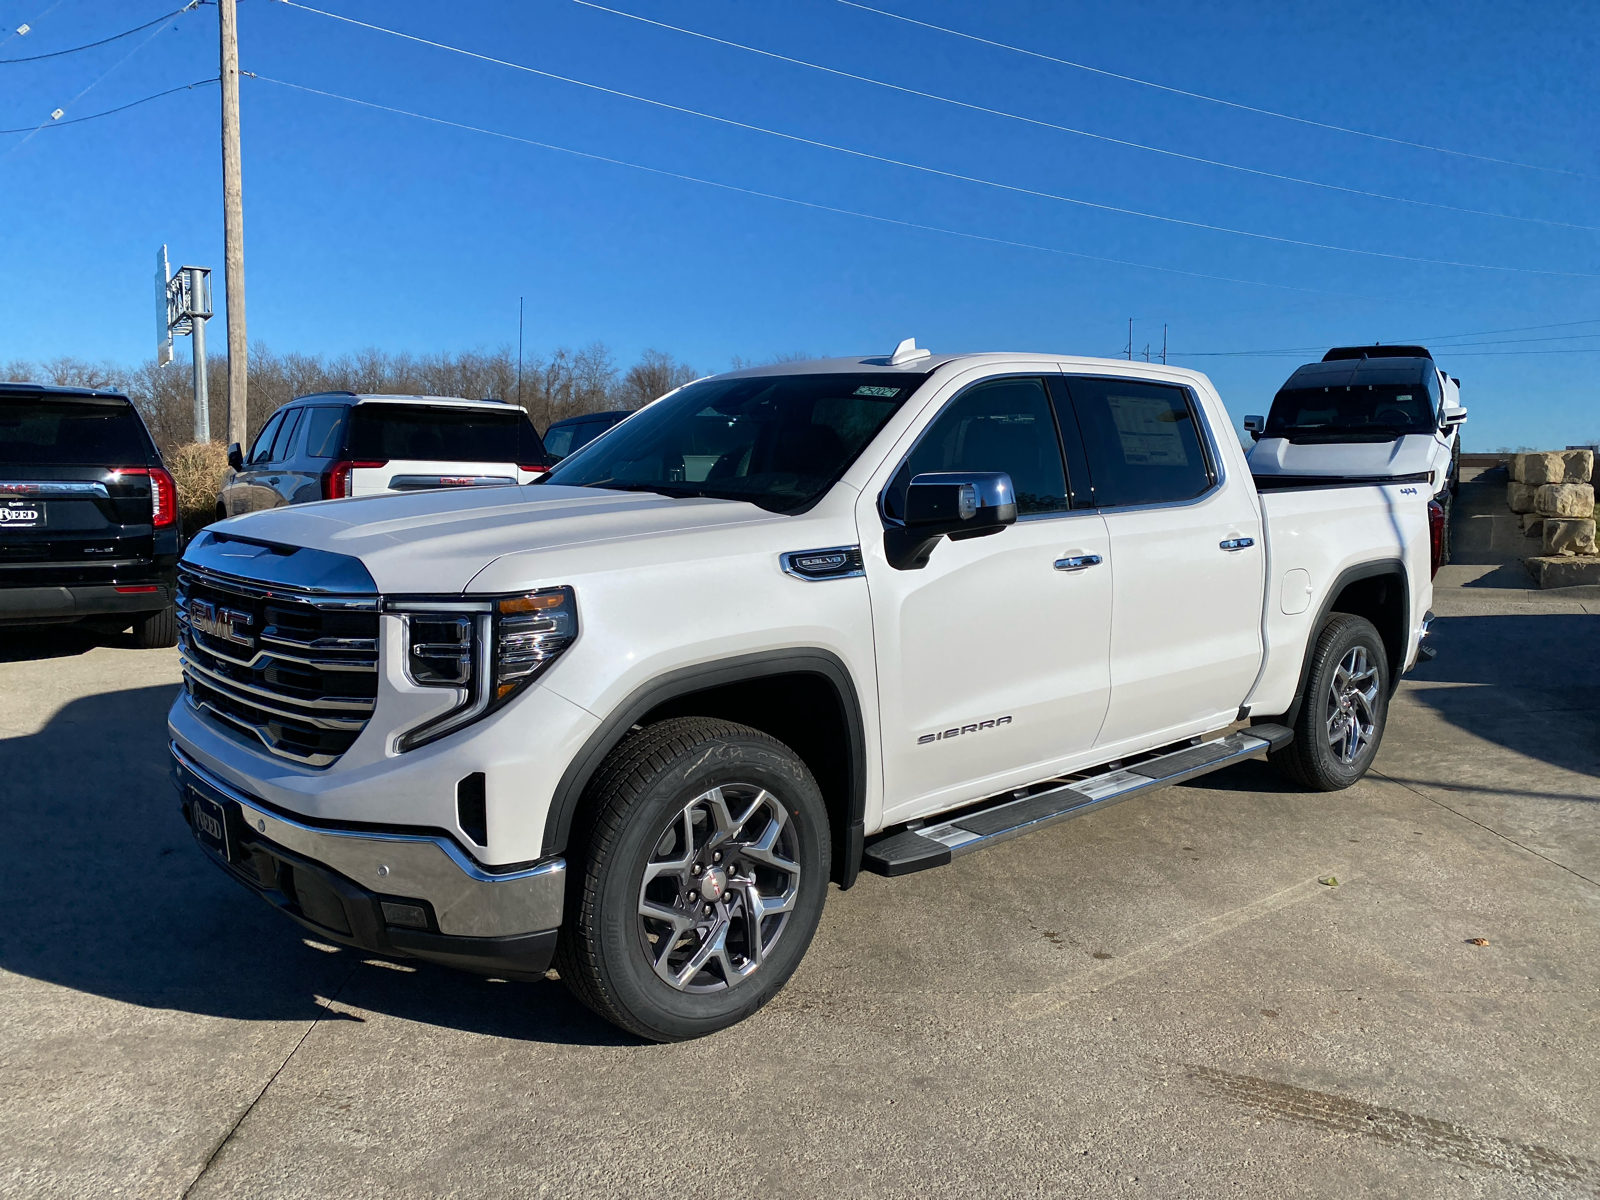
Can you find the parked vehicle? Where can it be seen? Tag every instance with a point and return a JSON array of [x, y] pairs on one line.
[[571, 434], [1367, 413], [336, 444], [785, 624], [88, 515]]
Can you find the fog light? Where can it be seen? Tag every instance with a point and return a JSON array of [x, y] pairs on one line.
[[412, 916]]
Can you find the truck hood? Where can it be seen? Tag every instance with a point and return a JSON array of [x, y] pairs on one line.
[[435, 542], [1408, 455]]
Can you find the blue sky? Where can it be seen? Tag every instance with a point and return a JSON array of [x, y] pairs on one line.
[[370, 228]]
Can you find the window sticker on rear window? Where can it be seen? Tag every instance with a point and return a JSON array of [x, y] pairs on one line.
[[888, 393], [1148, 429]]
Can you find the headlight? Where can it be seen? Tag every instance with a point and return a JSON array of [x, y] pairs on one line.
[[486, 650]]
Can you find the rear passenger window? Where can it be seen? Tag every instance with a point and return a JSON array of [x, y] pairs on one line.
[[322, 432], [1005, 426], [1142, 442]]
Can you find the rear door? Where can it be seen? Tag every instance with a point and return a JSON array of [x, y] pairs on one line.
[[1186, 559], [68, 515], [399, 447]]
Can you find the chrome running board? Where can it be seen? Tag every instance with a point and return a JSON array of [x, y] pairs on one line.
[[935, 844]]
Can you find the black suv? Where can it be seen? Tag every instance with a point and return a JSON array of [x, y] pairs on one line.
[[88, 515], [571, 434]]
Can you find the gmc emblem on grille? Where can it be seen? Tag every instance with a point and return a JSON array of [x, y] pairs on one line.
[[229, 624]]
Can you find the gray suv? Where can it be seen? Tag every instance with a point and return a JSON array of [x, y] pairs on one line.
[[335, 444]]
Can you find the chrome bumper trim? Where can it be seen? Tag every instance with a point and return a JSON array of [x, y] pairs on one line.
[[467, 900]]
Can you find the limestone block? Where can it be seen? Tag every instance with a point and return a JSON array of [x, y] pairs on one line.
[[1580, 465], [1564, 572], [1520, 497], [1543, 466], [1564, 500], [1568, 536]]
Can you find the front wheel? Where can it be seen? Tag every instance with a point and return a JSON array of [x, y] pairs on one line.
[[703, 874], [1344, 709]]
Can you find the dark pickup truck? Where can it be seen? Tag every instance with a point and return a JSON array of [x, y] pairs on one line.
[[88, 515]]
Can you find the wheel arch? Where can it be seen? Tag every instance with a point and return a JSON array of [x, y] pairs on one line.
[[805, 697], [1380, 591]]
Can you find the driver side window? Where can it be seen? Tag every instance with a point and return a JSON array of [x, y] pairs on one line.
[[1004, 425], [264, 439]]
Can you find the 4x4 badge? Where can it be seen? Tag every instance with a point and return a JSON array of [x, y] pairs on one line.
[[229, 624]]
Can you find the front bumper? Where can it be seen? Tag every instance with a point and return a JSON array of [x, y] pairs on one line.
[[402, 894]]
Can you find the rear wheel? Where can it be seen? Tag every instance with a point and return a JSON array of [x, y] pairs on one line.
[[1344, 710], [154, 631], [703, 874]]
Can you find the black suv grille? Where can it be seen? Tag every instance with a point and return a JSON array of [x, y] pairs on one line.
[[297, 671]]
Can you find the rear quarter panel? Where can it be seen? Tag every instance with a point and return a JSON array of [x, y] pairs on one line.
[[1314, 536]]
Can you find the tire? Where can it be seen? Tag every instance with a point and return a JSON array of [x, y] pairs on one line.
[[1320, 756], [157, 630], [1445, 499], [653, 805]]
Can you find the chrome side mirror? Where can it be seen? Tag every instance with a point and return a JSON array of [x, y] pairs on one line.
[[1255, 426], [953, 504], [1453, 417]]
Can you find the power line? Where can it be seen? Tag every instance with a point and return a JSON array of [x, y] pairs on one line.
[[1266, 112], [1295, 351], [865, 155], [55, 116], [828, 208], [4, 62], [1100, 137], [108, 112]]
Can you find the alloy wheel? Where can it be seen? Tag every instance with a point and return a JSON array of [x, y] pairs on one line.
[[718, 888], [1353, 705]]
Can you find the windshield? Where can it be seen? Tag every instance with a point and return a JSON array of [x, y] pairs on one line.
[[777, 441], [442, 434], [1360, 412], [98, 432]]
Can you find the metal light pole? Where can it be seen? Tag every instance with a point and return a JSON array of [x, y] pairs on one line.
[[233, 226], [200, 292], [183, 304]]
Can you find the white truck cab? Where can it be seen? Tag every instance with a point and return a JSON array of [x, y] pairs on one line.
[[1366, 413], [778, 627]]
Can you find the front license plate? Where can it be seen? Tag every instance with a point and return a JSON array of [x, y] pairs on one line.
[[21, 514], [211, 825]]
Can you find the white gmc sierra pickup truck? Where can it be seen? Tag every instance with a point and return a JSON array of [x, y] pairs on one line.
[[776, 627]]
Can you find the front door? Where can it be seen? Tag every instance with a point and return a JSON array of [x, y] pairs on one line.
[[1187, 561], [993, 658]]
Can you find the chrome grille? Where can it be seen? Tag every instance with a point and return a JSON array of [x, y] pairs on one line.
[[297, 670]]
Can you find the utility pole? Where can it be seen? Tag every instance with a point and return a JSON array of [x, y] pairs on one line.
[[1130, 339], [1163, 343], [233, 226], [519, 351]]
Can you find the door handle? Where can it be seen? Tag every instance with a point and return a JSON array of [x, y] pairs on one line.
[[1077, 562], [1237, 543]]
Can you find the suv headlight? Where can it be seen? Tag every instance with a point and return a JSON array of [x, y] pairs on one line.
[[486, 650]]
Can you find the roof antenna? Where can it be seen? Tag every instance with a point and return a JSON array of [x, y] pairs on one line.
[[907, 352]]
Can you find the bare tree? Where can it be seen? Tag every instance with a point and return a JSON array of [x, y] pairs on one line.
[[653, 376]]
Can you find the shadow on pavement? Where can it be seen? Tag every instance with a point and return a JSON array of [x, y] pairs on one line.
[[105, 892], [1530, 683]]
